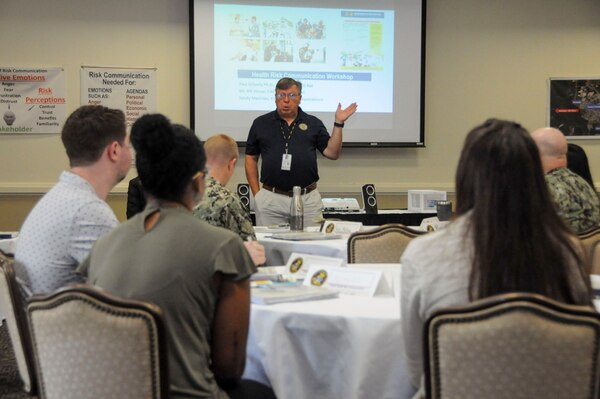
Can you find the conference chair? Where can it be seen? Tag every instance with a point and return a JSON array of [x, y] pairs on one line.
[[385, 244], [90, 344], [588, 239], [13, 309], [514, 345]]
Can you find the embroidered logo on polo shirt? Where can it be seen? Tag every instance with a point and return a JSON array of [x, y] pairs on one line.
[[303, 126]]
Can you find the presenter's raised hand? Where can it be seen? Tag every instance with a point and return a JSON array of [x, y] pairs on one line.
[[342, 114]]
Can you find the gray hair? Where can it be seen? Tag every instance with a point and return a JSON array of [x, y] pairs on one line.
[[286, 83]]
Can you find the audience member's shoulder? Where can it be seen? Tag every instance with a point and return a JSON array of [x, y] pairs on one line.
[[219, 233], [418, 244], [437, 241], [109, 237], [581, 185], [95, 208], [265, 117], [217, 193], [580, 180]]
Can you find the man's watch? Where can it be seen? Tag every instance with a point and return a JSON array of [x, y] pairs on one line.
[[338, 124]]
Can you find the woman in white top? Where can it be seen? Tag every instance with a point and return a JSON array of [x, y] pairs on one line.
[[507, 237]]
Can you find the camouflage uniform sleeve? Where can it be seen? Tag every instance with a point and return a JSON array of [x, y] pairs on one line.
[[557, 195], [575, 200], [222, 208], [238, 220]]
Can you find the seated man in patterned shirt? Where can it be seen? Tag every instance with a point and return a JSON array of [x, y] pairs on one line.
[[576, 201], [60, 230], [220, 207]]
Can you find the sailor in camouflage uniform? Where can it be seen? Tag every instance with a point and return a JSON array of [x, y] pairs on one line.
[[220, 207], [576, 201]]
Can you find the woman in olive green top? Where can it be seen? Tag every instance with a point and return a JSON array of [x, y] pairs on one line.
[[198, 274]]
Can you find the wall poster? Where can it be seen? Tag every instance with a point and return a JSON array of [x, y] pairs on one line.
[[131, 90], [574, 106], [32, 100]]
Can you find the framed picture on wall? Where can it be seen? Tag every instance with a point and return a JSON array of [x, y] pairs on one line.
[[574, 106]]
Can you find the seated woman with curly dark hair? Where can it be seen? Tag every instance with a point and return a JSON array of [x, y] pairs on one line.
[[196, 273], [507, 237]]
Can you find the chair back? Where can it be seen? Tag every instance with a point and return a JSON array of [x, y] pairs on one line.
[[595, 258], [384, 244], [589, 239], [13, 309], [89, 344], [513, 345]]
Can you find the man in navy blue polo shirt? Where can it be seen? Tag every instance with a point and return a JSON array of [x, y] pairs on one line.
[[287, 139]]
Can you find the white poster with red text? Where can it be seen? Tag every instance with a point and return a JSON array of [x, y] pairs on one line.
[[131, 90], [32, 100]]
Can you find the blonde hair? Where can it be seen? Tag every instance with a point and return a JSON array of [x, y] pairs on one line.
[[220, 149]]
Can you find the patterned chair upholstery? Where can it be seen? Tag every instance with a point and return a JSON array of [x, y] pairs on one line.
[[512, 346], [595, 259], [384, 244], [589, 239], [89, 344], [12, 307]]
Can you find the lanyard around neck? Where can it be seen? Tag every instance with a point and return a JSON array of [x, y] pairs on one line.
[[289, 135]]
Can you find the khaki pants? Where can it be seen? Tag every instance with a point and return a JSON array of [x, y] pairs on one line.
[[273, 209]]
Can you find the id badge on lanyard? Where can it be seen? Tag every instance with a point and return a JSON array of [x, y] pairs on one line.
[[286, 162]]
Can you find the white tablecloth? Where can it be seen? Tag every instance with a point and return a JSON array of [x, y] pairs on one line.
[[278, 251], [349, 347]]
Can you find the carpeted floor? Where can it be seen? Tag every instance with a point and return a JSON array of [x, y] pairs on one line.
[[10, 382]]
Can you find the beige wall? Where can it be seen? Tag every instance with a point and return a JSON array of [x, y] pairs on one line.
[[484, 58]]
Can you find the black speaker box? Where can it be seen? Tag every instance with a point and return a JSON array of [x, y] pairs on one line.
[[243, 191], [369, 198]]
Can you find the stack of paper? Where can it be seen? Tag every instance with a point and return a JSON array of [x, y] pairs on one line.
[[305, 236], [269, 273], [289, 292]]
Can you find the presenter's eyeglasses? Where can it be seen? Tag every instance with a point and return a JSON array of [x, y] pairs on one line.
[[290, 96]]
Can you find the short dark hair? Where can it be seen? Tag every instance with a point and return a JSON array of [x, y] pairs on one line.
[[286, 83], [88, 130], [167, 156], [519, 241]]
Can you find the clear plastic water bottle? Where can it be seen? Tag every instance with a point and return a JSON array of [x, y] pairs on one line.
[[297, 210]]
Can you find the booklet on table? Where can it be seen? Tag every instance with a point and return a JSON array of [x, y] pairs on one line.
[[269, 294]]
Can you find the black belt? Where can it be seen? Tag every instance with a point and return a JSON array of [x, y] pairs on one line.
[[290, 193]]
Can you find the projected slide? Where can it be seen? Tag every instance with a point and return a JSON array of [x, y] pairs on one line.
[[371, 52], [339, 55]]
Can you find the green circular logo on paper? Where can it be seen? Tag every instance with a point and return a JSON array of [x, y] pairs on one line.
[[296, 265], [319, 278]]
